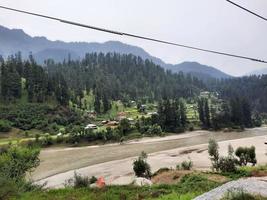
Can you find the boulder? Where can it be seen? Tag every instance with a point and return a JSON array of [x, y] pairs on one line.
[[139, 181]]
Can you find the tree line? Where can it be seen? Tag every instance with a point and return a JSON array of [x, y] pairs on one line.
[[110, 76]]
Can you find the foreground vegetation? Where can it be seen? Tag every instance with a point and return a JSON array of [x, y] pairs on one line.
[[188, 187]]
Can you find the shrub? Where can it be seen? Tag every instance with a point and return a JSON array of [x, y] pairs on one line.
[[8, 188], [246, 155], [16, 161], [186, 165], [227, 164], [154, 130], [191, 127], [47, 140], [213, 150], [92, 180], [141, 167], [5, 126], [80, 181], [59, 139], [124, 126]]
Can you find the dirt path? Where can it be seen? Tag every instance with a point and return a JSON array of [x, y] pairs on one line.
[[114, 161]]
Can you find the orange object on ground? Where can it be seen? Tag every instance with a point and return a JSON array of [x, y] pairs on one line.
[[100, 182]]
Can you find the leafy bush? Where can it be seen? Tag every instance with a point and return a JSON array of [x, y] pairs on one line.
[[141, 167], [227, 164], [8, 188], [47, 140], [246, 155], [154, 130], [124, 126], [15, 162], [5, 126]]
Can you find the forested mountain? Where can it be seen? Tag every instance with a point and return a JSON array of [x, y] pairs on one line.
[[14, 40], [110, 76]]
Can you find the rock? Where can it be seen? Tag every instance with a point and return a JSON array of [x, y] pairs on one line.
[[93, 185], [142, 181]]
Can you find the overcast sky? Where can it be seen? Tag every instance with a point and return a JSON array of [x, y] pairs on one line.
[[211, 24]]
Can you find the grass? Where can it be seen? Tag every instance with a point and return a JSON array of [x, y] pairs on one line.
[[241, 195], [189, 187], [248, 171]]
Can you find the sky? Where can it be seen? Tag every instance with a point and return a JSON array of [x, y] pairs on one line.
[[210, 24]]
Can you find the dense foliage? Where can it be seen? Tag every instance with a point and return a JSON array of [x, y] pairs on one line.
[[15, 162], [39, 116], [141, 167], [252, 88]]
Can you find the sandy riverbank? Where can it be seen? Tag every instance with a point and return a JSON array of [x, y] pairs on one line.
[[114, 162]]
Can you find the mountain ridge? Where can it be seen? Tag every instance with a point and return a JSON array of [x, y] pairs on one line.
[[14, 40]]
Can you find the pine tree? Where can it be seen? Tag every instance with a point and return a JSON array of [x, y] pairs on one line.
[[201, 112], [183, 112], [207, 113], [247, 121], [97, 103], [106, 104]]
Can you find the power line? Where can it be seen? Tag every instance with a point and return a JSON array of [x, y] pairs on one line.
[[243, 8], [133, 35]]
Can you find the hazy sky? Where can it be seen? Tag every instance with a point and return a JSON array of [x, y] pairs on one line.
[[211, 24]]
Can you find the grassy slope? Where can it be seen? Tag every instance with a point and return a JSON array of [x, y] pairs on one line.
[[189, 187]]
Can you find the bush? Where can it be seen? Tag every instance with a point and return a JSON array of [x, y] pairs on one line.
[[47, 140], [5, 126], [154, 130], [80, 181], [16, 161], [92, 180], [141, 167], [213, 150], [8, 188], [191, 127], [124, 126], [187, 165], [59, 139], [227, 164], [246, 155]]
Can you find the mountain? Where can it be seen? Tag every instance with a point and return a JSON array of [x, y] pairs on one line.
[[14, 40], [258, 72], [200, 70]]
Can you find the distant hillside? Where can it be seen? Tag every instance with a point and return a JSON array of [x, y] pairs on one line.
[[14, 40], [258, 72], [199, 70]]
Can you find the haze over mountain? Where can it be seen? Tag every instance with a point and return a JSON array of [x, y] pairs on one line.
[[14, 40], [258, 72]]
